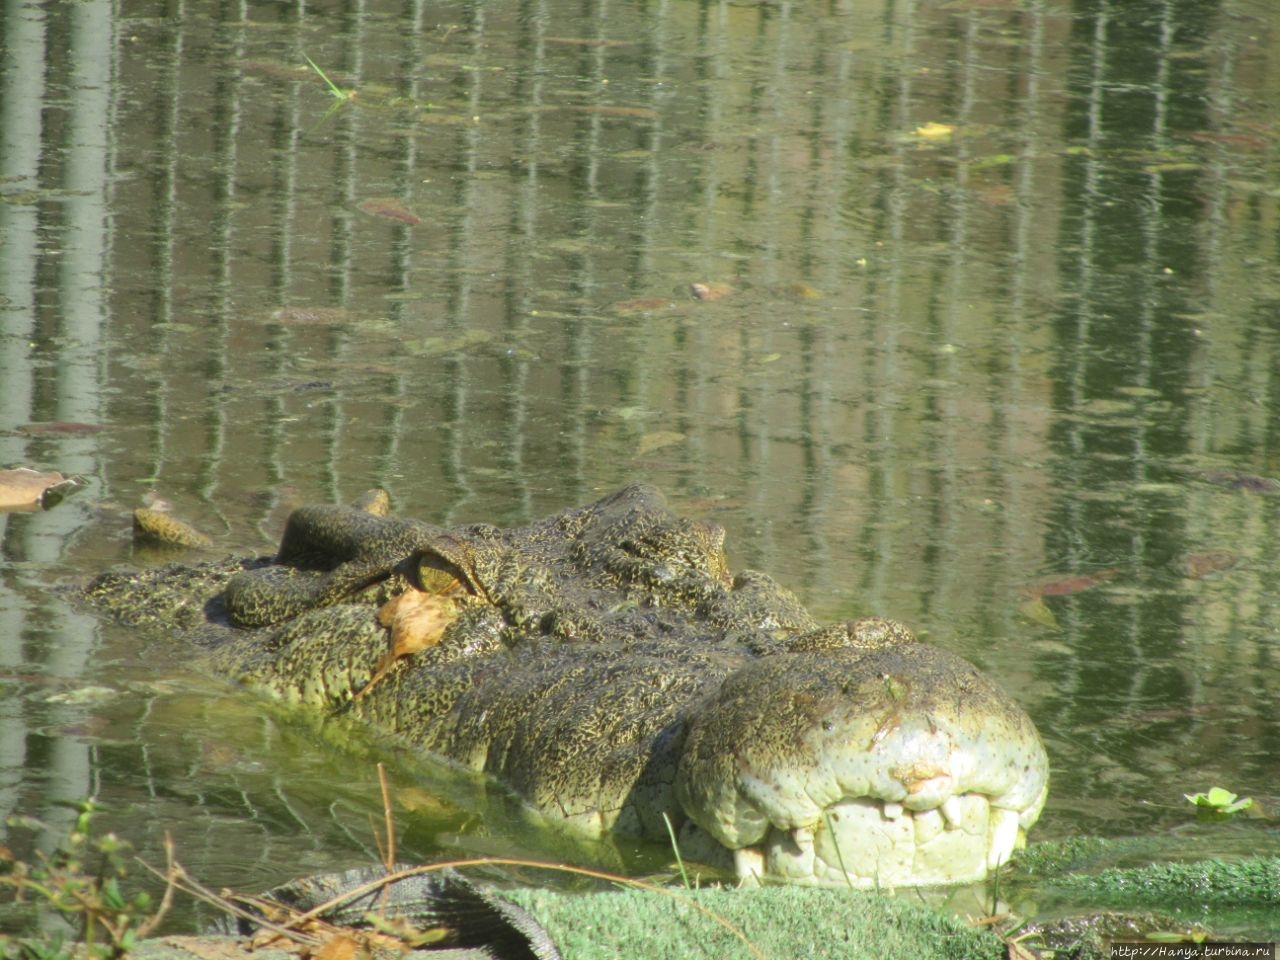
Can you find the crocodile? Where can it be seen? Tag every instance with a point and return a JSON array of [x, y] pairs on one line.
[[606, 664]]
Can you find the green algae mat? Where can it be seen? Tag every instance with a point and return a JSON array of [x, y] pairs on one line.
[[783, 923]]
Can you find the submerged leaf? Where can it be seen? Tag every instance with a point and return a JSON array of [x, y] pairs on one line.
[[656, 440], [1037, 611], [389, 208], [319, 316], [435, 346], [585, 42], [802, 291], [1240, 481], [59, 428], [935, 131], [615, 110], [275, 71], [1065, 586], [1197, 566], [641, 305]]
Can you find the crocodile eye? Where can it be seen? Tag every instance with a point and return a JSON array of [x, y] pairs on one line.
[[433, 576], [429, 572]]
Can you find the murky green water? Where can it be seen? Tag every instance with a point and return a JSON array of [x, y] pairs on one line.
[[991, 347]]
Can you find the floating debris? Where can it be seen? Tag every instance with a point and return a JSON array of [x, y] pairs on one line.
[[1065, 586], [657, 440], [1197, 566], [935, 131], [1239, 481], [390, 209], [641, 305], [24, 489], [709, 291]]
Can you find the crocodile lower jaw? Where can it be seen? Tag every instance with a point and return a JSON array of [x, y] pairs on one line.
[[867, 844]]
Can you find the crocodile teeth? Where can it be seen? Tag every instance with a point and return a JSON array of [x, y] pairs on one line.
[[748, 863], [952, 811], [1004, 833], [872, 845]]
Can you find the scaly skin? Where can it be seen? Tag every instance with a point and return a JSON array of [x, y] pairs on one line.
[[605, 664]]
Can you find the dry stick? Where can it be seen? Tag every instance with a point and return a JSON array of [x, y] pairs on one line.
[[388, 818], [359, 891], [171, 873], [389, 855], [182, 880]]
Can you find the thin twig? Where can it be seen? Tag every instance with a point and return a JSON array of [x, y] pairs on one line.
[[388, 816], [389, 854], [171, 874], [183, 881]]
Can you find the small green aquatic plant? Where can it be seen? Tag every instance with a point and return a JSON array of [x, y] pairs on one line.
[[1218, 804], [337, 91], [81, 881]]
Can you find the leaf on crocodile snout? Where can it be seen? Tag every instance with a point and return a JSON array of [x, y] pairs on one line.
[[417, 620]]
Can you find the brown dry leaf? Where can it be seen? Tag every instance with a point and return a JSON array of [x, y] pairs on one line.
[[709, 291], [417, 620], [341, 946], [25, 489], [656, 440], [390, 208]]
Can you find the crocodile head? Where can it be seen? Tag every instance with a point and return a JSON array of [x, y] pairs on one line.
[[605, 665]]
